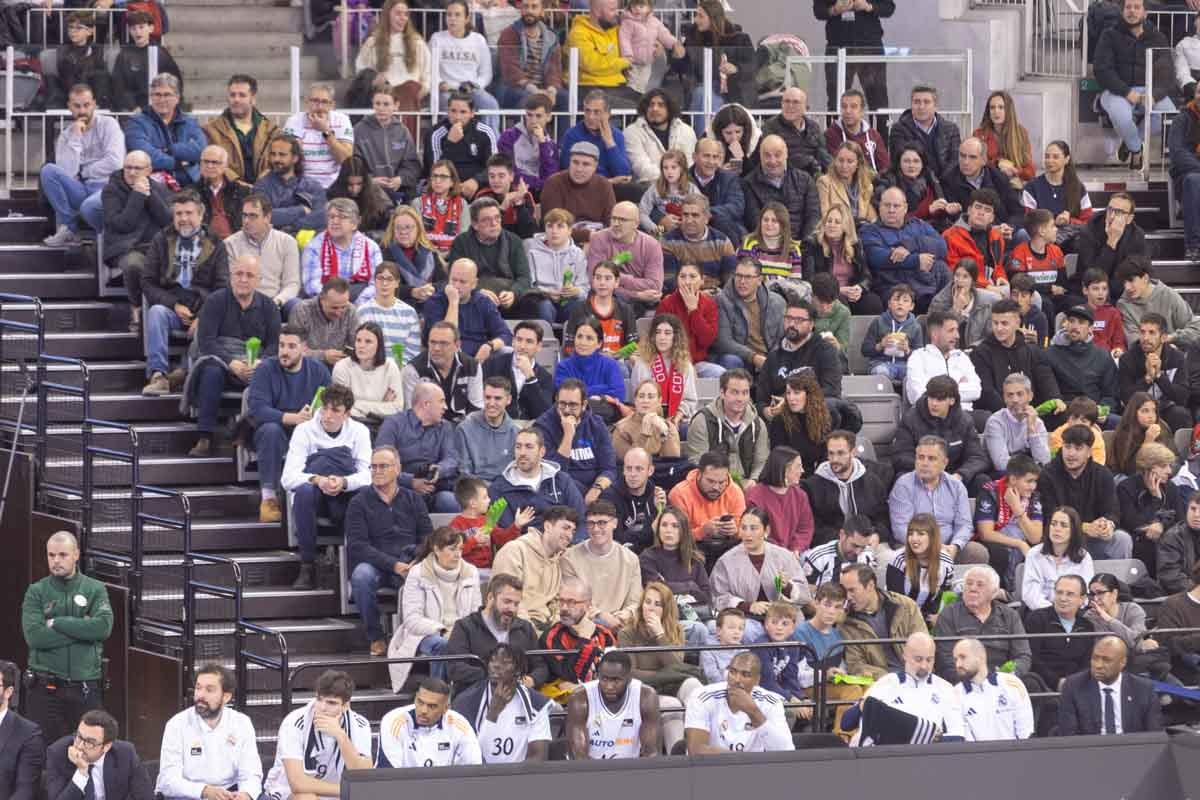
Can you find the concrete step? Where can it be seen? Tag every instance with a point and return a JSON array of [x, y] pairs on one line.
[[113, 376], [222, 45], [257, 603], [25, 228], [88, 345], [208, 535], [204, 19], [87, 316], [214, 69], [63, 286]]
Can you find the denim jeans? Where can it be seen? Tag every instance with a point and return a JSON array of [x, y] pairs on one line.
[[307, 504], [890, 369], [728, 361], [707, 369], [158, 324], [270, 448], [696, 105], [365, 582], [210, 380], [434, 645], [67, 194], [1189, 196], [1120, 111]]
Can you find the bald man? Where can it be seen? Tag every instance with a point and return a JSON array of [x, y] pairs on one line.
[[427, 446], [65, 617], [973, 172], [774, 179], [903, 250], [637, 500], [473, 311], [995, 705], [723, 189], [222, 198], [802, 134], [737, 715], [641, 281], [1106, 700]]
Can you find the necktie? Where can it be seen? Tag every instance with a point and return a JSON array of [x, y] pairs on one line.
[[89, 791], [1110, 713]]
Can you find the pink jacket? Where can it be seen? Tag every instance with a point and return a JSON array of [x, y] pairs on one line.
[[636, 38]]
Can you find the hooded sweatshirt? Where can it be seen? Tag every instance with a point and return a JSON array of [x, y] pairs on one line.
[[540, 575], [592, 454], [1083, 370], [391, 147], [833, 499], [1181, 320], [994, 362], [551, 487], [532, 162], [816, 356], [867, 138], [884, 325], [484, 451]]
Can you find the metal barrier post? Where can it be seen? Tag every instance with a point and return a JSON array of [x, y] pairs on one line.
[[435, 84], [10, 60], [1148, 105], [295, 75], [573, 86], [151, 65], [841, 71], [344, 40], [706, 111], [969, 88]]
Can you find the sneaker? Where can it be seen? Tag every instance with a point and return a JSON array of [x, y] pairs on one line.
[[306, 580], [1135, 161], [269, 511], [202, 448], [176, 378], [1122, 153], [379, 647], [157, 386], [63, 237], [1192, 255]]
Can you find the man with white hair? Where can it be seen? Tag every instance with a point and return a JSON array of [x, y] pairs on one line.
[[222, 197], [995, 704], [341, 251], [973, 173], [981, 612]]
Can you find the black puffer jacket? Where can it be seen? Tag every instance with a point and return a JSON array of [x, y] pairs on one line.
[[1095, 253], [798, 194], [958, 190], [1120, 62], [738, 49], [940, 146], [131, 218], [967, 456], [816, 261]]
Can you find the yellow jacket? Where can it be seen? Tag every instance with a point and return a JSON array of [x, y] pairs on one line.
[[600, 59]]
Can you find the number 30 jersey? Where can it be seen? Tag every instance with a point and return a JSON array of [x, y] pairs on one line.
[[525, 719], [403, 743]]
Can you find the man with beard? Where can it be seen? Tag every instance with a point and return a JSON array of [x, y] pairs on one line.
[[65, 617], [499, 258], [657, 129], [511, 721], [532, 480], [730, 425], [92, 763], [583, 447], [637, 500], [318, 742], [995, 704], [531, 60], [1081, 368], [495, 624], [242, 131], [427, 733], [1004, 352], [87, 152], [841, 487], [297, 201], [712, 503], [1155, 366], [799, 351], [601, 63], [614, 716], [534, 560], [942, 357], [737, 715], [577, 633], [210, 750]]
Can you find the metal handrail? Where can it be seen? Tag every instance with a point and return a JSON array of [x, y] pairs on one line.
[[244, 658]]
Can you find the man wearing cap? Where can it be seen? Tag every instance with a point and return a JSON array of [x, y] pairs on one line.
[[1082, 369], [581, 190]]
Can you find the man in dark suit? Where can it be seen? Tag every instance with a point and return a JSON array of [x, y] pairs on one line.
[[1106, 700], [533, 386], [75, 763], [22, 748]]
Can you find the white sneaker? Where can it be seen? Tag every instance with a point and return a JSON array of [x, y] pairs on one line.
[[63, 237]]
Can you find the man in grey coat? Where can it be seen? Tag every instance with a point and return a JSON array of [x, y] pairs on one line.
[[750, 322], [485, 438]]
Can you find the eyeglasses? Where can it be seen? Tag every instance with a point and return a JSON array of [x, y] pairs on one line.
[[440, 176], [615, 220], [1098, 592], [797, 320], [739, 276], [85, 741], [569, 406], [1117, 212]]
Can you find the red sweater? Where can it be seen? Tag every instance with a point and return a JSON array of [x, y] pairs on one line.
[[1108, 331], [1025, 169], [473, 551], [701, 324]]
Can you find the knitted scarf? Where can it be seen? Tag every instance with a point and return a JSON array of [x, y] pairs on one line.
[[442, 218], [359, 266], [670, 382], [1004, 514]]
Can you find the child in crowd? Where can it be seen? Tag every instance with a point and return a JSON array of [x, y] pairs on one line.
[[731, 627], [1108, 331], [1034, 326], [557, 267], [784, 669], [820, 633], [894, 335], [977, 236], [479, 547], [641, 38], [1043, 260], [1082, 411], [661, 207], [516, 202], [832, 322]]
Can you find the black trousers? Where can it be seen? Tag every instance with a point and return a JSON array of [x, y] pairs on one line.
[[57, 708], [873, 78]]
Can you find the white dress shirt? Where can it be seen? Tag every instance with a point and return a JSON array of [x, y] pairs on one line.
[[1115, 686], [80, 780], [195, 754]]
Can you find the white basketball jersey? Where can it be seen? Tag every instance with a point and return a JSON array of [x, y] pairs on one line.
[[614, 734]]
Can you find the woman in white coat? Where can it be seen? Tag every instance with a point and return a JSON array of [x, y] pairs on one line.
[[440, 589], [737, 583]]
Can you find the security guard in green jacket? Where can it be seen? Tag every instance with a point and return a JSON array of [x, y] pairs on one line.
[[66, 617]]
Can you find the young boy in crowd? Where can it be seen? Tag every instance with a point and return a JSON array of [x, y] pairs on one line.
[[1034, 326], [976, 236], [479, 547], [1082, 411], [894, 335], [557, 267], [1108, 332], [516, 202], [731, 627], [1041, 259], [820, 633], [832, 322], [784, 669]]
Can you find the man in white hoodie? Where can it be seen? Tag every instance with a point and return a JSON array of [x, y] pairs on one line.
[[942, 357], [328, 460]]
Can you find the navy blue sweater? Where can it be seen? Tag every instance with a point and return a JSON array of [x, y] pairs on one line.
[[592, 453], [273, 390], [381, 534]]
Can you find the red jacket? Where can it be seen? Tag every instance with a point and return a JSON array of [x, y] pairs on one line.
[[701, 324], [960, 244], [475, 552], [1108, 331], [1025, 169], [1048, 270]]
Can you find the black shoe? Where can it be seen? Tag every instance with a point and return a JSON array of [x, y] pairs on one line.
[[1135, 161], [1122, 153], [306, 580], [1192, 255]]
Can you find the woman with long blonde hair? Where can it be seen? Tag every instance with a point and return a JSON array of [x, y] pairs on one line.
[[406, 245], [835, 248], [664, 357], [849, 181], [1007, 141]]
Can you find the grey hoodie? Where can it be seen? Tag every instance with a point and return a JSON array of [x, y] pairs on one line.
[[753, 429], [389, 152], [484, 451], [547, 266], [1165, 301], [846, 500]]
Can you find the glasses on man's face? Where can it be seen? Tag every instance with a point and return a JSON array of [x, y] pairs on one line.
[[319, 101], [1117, 212], [620, 220], [566, 406], [334, 216], [742, 276], [85, 741], [796, 320]]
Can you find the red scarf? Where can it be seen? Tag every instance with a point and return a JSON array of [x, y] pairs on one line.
[[1004, 514], [329, 260], [670, 383]]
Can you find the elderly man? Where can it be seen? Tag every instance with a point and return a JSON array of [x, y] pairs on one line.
[[499, 256], [696, 242], [737, 715], [937, 137], [297, 200], [535, 559], [222, 197], [425, 441], [341, 251], [723, 188], [1016, 428], [242, 131], [973, 173], [229, 319], [1054, 659], [471, 310], [774, 179], [601, 64], [136, 209], [995, 704], [325, 135], [276, 252], [327, 322], [579, 189], [1106, 700], [928, 489], [980, 612], [641, 280], [443, 362], [802, 135], [852, 126], [185, 263], [171, 138], [596, 127], [636, 499], [902, 250], [385, 524], [531, 61], [612, 569], [86, 154]]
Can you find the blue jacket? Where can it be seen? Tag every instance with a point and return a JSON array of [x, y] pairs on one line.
[[727, 203], [917, 236], [173, 147], [380, 534], [592, 453], [600, 373], [419, 446], [274, 391], [781, 670], [479, 320], [555, 488], [289, 199], [613, 160]]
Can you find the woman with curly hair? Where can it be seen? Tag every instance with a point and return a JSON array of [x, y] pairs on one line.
[[663, 356], [848, 181], [1007, 141], [396, 53], [802, 421]]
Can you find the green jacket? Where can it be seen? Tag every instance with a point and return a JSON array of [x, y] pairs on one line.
[[836, 322], [83, 619]]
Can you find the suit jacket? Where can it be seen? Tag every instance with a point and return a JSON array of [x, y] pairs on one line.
[[22, 753], [1080, 712], [535, 397], [125, 778]]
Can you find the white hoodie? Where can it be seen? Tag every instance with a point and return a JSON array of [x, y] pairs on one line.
[[309, 437]]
